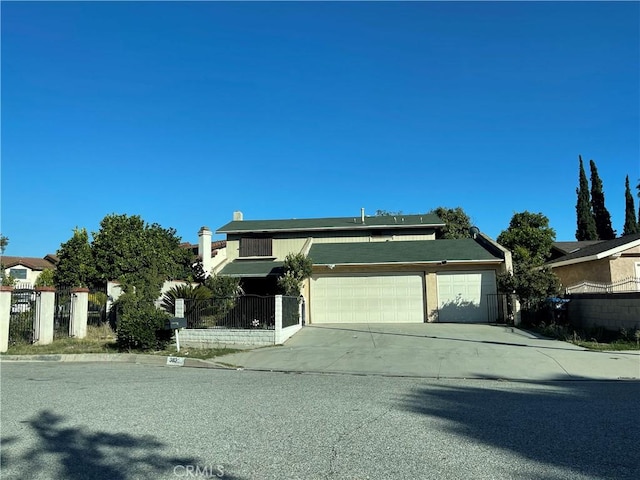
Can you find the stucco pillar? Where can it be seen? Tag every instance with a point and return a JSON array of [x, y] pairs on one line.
[[45, 311], [204, 249], [278, 313], [517, 312], [5, 316], [79, 312]]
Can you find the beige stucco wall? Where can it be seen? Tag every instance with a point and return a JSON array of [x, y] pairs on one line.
[[290, 243], [606, 270], [624, 266], [32, 275], [595, 271]]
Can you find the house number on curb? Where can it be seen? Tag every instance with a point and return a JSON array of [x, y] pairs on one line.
[[175, 361]]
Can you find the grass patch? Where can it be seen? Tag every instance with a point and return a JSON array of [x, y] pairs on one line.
[[64, 346], [200, 353], [102, 339], [592, 339]]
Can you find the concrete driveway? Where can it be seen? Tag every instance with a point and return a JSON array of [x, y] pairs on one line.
[[436, 350]]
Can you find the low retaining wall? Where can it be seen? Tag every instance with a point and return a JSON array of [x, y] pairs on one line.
[[212, 337], [611, 311]]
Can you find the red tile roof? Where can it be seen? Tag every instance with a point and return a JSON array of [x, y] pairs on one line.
[[33, 263]]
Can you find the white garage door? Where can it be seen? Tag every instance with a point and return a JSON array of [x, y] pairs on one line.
[[367, 299], [462, 296]]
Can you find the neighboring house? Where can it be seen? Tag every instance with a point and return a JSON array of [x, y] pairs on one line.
[[603, 262], [560, 249], [371, 269], [28, 269], [211, 254]]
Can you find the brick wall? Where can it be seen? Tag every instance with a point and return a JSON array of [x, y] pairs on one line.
[[212, 337], [611, 311]]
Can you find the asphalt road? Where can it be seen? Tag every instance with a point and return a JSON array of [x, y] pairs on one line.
[[122, 421]]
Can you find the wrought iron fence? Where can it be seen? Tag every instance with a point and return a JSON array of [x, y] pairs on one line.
[[290, 311], [244, 312], [97, 308], [500, 307], [629, 284], [23, 312], [62, 313]]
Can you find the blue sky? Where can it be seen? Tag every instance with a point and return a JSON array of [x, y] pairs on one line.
[[184, 112]]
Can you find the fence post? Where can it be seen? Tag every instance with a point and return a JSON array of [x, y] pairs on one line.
[[5, 316], [278, 315], [45, 312], [517, 312], [79, 312]]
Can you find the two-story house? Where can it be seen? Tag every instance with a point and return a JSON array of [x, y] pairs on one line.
[[371, 269], [26, 270]]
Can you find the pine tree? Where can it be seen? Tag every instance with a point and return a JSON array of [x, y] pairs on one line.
[[600, 212], [586, 223], [630, 222]]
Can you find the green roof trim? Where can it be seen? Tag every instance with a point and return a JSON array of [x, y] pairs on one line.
[[431, 251], [341, 223], [252, 268]]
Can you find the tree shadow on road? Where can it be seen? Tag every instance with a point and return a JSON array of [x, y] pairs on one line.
[[75, 453], [588, 428]]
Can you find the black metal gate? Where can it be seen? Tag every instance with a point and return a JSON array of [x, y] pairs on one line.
[[62, 314], [500, 307], [97, 308], [23, 314]]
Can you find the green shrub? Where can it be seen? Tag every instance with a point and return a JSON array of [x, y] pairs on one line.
[[139, 324], [45, 279]]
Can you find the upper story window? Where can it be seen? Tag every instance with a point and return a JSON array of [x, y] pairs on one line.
[[255, 247], [18, 273]]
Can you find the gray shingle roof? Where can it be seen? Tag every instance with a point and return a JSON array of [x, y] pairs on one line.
[[340, 223], [570, 247], [598, 248], [252, 268], [399, 252]]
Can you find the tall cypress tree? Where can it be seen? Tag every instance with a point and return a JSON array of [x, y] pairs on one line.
[[600, 212], [630, 222], [586, 223]]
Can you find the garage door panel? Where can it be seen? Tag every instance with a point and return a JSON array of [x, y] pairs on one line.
[[367, 299], [462, 296]]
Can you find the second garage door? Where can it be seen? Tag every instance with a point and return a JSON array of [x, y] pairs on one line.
[[367, 299], [464, 296]]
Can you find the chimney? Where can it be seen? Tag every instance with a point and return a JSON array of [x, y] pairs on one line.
[[237, 216], [204, 249], [362, 215]]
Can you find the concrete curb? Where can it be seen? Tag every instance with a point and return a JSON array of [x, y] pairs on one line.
[[134, 358]]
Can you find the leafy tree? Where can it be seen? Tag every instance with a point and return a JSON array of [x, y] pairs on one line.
[[45, 279], [586, 223], [76, 266], [297, 268], [140, 256], [4, 242], [530, 238], [600, 212], [630, 222], [5, 279], [457, 222], [387, 213], [638, 188]]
